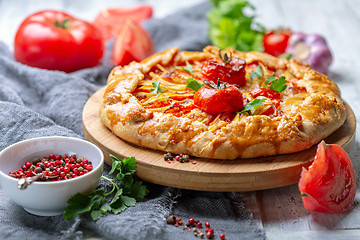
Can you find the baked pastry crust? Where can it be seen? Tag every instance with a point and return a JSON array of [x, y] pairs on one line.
[[307, 116]]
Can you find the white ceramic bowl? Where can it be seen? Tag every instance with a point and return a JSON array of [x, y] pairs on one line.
[[48, 198]]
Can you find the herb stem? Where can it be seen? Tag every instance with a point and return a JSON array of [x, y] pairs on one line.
[[114, 185]]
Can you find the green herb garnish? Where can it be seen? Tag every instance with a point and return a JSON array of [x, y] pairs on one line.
[[257, 73], [279, 85], [232, 24], [276, 84], [187, 68], [193, 84], [253, 105], [157, 89], [125, 196], [288, 56]]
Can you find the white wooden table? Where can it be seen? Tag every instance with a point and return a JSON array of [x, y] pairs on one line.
[[280, 210]]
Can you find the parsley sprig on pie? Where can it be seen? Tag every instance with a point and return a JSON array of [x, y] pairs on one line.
[[284, 106]]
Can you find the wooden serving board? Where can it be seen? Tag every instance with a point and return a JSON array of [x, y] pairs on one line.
[[208, 174]]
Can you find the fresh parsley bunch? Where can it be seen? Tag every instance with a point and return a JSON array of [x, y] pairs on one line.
[[233, 25], [96, 202]]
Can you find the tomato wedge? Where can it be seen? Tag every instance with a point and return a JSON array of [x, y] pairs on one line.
[[109, 21], [132, 43], [329, 185]]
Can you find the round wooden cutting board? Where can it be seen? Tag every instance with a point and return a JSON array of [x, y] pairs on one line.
[[208, 174]]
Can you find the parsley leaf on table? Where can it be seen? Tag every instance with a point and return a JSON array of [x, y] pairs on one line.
[[187, 68], [125, 196], [157, 89], [257, 73], [193, 84], [253, 105]]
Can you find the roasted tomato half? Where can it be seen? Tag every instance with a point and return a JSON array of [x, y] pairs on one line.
[[228, 69], [215, 100], [329, 185]]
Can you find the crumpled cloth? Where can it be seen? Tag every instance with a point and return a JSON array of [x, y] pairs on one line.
[[36, 102]]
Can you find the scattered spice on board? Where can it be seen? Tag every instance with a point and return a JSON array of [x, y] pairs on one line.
[[182, 158]]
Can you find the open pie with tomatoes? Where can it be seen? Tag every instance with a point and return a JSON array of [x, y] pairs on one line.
[[221, 104]]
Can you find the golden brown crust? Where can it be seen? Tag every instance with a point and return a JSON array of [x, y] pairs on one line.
[[306, 118]]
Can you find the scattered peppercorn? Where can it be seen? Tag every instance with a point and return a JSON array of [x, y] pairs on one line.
[[222, 236], [191, 221], [171, 219], [168, 156], [199, 225]]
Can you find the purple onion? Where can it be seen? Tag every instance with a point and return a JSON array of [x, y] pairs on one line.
[[311, 49]]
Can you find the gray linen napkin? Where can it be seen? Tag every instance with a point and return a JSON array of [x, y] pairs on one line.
[[36, 102]]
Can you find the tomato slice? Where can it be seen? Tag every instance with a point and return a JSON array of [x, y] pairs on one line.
[[329, 185], [132, 43], [109, 21]]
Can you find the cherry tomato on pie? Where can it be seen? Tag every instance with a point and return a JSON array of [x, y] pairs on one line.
[[132, 43], [110, 21], [215, 101], [275, 42], [329, 185], [230, 70], [55, 40]]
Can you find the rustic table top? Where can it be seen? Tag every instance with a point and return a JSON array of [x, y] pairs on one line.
[[280, 210]]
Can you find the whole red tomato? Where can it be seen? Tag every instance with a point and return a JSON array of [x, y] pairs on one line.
[[55, 40], [329, 185], [275, 42], [229, 70], [110, 21], [132, 43], [217, 100]]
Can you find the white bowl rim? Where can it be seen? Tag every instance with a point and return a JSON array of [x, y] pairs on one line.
[[55, 137]]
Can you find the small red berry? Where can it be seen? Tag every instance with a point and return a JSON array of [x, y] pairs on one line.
[[29, 174], [24, 167], [199, 225], [207, 224], [58, 157], [209, 235], [73, 175], [51, 156], [222, 236], [89, 167], [85, 161], [65, 156], [28, 164], [66, 170], [211, 231], [57, 162], [177, 158], [191, 221]]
